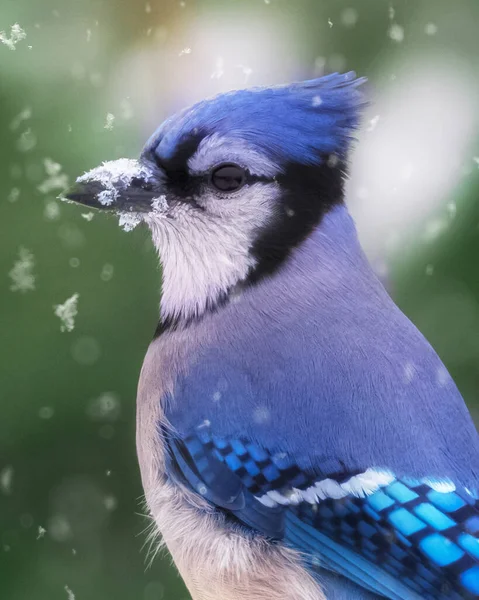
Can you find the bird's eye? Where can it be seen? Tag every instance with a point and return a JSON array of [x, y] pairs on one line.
[[228, 178]]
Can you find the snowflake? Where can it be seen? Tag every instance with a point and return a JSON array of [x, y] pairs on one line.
[[107, 197], [247, 71], [27, 141], [70, 594], [17, 34], [349, 17], [24, 115], [56, 180], [52, 211], [14, 194], [23, 279], [110, 503], [373, 123], [113, 173], [110, 118], [126, 109], [219, 68], [159, 204], [6, 478], [396, 32], [67, 312], [128, 221], [105, 408], [41, 532]]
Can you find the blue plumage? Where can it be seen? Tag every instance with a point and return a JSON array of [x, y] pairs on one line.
[[315, 117], [389, 420], [286, 403], [334, 349], [407, 530]]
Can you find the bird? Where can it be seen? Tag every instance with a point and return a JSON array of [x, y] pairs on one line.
[[298, 438]]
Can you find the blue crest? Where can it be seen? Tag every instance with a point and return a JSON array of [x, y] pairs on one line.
[[300, 122]]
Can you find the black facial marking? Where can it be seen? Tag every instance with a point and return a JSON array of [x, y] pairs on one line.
[[177, 165], [172, 324], [308, 193]]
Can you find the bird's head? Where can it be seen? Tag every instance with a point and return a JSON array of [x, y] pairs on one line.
[[231, 185]]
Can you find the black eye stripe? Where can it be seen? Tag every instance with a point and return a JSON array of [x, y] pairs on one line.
[[228, 177]]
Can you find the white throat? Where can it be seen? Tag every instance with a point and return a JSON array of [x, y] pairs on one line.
[[201, 260], [205, 253]]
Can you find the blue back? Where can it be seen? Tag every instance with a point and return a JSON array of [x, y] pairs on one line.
[[316, 374], [318, 362]]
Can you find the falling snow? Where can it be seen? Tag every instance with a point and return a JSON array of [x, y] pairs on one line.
[[67, 312], [317, 101], [185, 51], [17, 34], [434, 229], [104, 408], [52, 211], [23, 279], [409, 372], [27, 141], [22, 116], [349, 17], [126, 110], [247, 72], [6, 480], [373, 123], [396, 33], [41, 532], [107, 272], [88, 216], [110, 503], [219, 68], [56, 180], [430, 29], [110, 118], [13, 195], [70, 594], [46, 412]]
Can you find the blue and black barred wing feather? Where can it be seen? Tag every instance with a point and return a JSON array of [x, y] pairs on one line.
[[408, 539]]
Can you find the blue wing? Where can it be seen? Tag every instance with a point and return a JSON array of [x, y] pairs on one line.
[[406, 540]]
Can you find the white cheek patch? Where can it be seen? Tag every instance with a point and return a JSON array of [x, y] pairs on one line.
[[205, 253], [115, 174], [214, 150]]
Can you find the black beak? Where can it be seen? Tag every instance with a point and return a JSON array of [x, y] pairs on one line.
[[121, 186]]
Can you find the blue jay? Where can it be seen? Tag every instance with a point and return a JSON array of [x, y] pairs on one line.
[[298, 437]]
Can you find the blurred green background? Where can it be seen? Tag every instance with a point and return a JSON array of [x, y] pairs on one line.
[[89, 82]]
